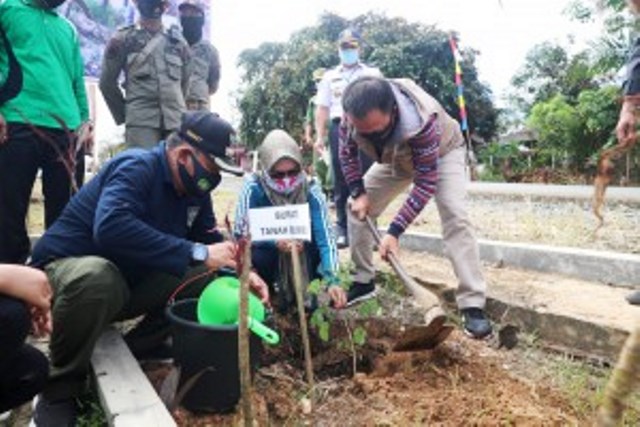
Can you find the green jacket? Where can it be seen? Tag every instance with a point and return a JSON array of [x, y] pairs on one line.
[[47, 49], [156, 69]]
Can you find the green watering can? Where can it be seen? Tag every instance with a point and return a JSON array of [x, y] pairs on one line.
[[219, 305]]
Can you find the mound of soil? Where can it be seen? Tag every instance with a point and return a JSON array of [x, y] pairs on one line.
[[462, 382]]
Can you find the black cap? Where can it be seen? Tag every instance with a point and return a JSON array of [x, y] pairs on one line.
[[212, 135]]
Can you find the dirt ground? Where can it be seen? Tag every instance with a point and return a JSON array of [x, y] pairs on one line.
[[462, 382]]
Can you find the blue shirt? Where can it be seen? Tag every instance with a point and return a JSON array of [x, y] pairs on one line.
[[131, 214]]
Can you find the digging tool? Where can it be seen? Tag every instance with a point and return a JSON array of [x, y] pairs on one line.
[[435, 330]]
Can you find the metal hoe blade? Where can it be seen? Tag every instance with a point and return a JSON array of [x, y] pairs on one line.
[[436, 330]]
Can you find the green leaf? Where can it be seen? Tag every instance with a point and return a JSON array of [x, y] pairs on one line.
[[359, 336], [324, 331]]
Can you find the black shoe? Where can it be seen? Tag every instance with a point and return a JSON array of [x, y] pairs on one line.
[[475, 322], [359, 292], [633, 298], [58, 413]]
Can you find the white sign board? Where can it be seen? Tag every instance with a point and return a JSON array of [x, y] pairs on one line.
[[291, 222]]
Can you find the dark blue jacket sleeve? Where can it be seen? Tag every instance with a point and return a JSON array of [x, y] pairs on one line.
[[323, 236], [205, 229], [631, 85], [118, 230]]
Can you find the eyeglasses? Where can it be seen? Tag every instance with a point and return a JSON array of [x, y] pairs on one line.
[[285, 174]]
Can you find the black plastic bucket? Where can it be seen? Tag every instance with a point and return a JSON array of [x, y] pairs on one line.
[[197, 347]]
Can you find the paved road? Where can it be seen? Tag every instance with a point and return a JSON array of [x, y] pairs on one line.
[[621, 194], [573, 192]]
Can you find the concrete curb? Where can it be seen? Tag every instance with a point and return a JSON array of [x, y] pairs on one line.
[[611, 268], [627, 195]]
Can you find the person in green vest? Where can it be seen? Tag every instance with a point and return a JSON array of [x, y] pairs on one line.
[[47, 104]]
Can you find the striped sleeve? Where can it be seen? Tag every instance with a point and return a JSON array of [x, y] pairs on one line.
[[424, 147], [349, 161]]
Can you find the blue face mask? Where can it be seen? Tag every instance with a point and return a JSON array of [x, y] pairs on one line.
[[348, 56], [201, 183]]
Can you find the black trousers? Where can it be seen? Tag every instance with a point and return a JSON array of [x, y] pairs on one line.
[[23, 369], [265, 259], [340, 188], [21, 156]]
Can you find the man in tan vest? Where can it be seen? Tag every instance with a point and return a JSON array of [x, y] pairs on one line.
[[156, 63], [413, 141]]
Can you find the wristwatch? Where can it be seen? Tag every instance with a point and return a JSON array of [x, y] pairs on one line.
[[199, 253], [356, 192]]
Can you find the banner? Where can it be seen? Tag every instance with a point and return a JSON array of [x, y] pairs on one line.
[[97, 20]]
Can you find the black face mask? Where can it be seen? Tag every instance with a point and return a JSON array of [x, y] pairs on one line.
[[202, 182], [150, 9], [52, 4], [381, 136], [192, 28]]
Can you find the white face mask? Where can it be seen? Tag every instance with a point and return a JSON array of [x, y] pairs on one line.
[[348, 56]]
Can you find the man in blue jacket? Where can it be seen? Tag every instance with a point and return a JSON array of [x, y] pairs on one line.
[[125, 242]]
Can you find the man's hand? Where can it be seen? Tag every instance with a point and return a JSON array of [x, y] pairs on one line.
[[626, 127], [221, 255], [287, 246], [3, 130], [41, 323], [86, 137], [259, 287], [338, 296], [388, 244], [360, 206], [31, 286]]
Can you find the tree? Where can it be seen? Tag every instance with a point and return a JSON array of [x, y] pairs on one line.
[[609, 50], [277, 76], [576, 130], [548, 71]]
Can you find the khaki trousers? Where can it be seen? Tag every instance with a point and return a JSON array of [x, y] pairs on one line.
[[383, 184], [143, 137]]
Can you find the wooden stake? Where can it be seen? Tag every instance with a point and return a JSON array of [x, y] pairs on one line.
[[297, 281], [244, 354], [625, 377]]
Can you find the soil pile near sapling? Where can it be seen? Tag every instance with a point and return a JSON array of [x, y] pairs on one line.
[[462, 382]]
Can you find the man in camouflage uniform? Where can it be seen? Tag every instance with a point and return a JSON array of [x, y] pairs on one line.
[[156, 63], [206, 61]]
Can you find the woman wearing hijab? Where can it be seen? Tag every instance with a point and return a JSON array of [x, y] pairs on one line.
[[282, 181]]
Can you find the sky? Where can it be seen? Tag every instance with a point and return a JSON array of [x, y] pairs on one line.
[[502, 30]]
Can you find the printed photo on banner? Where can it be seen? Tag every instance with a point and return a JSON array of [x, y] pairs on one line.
[[97, 20]]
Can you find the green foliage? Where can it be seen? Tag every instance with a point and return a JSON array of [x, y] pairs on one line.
[[323, 316], [277, 76], [550, 71], [578, 130], [92, 414], [359, 336]]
